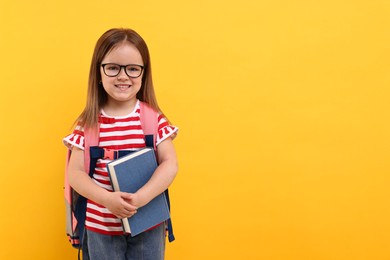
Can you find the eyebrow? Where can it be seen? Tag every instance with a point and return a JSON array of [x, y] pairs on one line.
[[123, 64]]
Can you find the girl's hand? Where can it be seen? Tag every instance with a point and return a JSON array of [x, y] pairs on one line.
[[118, 204], [135, 199]]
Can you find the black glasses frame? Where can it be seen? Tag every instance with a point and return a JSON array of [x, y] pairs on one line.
[[124, 68]]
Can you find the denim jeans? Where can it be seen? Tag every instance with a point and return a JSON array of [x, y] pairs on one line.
[[149, 245]]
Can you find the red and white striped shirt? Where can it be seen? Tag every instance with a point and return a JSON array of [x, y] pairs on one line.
[[123, 133]]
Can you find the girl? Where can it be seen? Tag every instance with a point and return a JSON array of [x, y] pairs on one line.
[[119, 79]]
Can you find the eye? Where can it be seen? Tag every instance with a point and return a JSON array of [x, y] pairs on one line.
[[112, 67], [133, 68]]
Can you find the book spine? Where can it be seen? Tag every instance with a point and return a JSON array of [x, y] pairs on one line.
[[115, 187]]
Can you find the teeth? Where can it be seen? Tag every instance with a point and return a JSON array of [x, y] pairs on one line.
[[123, 86]]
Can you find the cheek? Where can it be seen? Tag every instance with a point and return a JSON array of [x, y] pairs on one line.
[[105, 84], [107, 80], [139, 81]]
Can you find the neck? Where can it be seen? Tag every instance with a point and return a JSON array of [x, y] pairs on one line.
[[119, 108]]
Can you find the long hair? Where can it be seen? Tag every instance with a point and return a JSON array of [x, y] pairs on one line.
[[96, 95]]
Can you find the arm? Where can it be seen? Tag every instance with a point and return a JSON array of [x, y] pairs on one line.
[[162, 177], [80, 181]]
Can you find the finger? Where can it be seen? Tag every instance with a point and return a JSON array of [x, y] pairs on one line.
[[130, 210], [127, 214], [126, 196], [130, 207], [121, 216]]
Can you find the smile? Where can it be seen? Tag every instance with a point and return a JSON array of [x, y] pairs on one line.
[[123, 86]]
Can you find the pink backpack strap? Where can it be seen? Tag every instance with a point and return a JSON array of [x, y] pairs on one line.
[[91, 138], [149, 121]]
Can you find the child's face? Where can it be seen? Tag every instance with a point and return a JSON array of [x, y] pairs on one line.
[[122, 88]]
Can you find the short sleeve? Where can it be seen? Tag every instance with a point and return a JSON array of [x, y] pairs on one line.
[[165, 130], [75, 139]]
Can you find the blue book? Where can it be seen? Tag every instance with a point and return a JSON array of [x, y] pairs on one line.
[[128, 174]]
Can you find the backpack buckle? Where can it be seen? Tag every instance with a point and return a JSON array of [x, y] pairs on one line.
[[108, 154]]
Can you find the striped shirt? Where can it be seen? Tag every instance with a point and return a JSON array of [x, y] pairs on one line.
[[116, 133]]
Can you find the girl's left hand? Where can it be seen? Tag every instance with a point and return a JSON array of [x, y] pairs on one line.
[[135, 200]]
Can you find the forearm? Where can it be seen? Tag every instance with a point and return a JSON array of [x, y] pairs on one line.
[[160, 181], [85, 186]]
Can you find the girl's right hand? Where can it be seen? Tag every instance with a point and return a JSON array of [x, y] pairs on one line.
[[116, 203]]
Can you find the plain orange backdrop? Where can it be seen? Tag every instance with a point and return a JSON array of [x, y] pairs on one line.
[[283, 109]]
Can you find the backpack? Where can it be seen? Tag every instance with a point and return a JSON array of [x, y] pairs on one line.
[[75, 204]]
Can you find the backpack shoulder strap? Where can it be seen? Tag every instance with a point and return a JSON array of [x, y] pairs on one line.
[[149, 124], [91, 138]]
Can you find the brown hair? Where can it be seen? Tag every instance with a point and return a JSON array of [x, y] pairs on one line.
[[97, 96]]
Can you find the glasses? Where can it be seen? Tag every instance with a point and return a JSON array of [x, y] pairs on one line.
[[131, 70]]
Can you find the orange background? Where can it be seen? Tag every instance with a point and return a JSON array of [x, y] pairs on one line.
[[283, 109]]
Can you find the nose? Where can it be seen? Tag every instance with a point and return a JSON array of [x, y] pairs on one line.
[[122, 74]]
